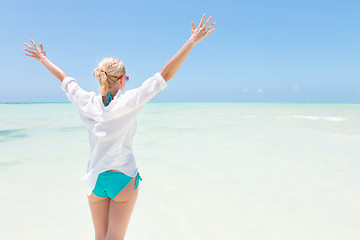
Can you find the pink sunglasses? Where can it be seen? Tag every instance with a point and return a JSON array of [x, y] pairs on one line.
[[126, 77]]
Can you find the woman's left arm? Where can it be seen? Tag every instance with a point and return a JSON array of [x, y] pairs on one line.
[[40, 55], [197, 35]]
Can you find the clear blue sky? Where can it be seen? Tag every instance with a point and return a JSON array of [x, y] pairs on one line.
[[261, 51]]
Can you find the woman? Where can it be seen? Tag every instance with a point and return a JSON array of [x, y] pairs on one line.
[[112, 177]]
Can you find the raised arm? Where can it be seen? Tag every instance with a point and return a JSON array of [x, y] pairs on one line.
[[40, 55], [197, 35]]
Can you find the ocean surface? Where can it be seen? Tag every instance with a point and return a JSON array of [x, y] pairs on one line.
[[210, 171]]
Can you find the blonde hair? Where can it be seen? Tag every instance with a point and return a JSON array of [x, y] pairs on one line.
[[108, 73]]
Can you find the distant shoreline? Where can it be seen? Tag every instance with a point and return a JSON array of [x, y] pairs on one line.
[[201, 102]]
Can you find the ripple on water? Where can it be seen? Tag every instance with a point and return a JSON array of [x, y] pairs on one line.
[[69, 129], [333, 119], [12, 134]]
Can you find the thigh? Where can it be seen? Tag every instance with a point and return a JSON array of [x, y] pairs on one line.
[[100, 214], [120, 210]]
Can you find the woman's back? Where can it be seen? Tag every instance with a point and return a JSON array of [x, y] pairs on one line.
[[111, 128]]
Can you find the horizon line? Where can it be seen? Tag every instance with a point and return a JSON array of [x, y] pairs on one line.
[[194, 102]]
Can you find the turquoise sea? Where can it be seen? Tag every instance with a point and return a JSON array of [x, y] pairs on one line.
[[264, 171]]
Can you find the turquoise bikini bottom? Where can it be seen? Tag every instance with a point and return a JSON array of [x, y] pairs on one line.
[[110, 183]]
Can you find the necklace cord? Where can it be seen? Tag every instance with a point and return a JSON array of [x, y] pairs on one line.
[[109, 98]]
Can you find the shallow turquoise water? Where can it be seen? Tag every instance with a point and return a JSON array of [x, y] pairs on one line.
[[210, 171]]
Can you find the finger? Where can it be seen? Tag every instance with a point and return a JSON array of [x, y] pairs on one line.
[[30, 47], [207, 22], [28, 51], [202, 20], [193, 25], [210, 32], [210, 26], [41, 46], [34, 44], [29, 55]]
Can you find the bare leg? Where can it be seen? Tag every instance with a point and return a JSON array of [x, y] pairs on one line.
[[100, 214], [120, 210]]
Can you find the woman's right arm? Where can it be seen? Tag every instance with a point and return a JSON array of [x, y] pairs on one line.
[[176, 61], [79, 97], [40, 55]]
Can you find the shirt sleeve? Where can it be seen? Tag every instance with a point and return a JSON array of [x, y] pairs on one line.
[[82, 99], [138, 97]]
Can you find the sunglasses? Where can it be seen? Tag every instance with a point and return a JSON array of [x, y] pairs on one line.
[[126, 77]]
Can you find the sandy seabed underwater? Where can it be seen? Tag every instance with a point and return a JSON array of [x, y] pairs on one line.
[[230, 171]]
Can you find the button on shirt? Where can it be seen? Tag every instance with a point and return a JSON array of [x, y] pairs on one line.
[[111, 128]]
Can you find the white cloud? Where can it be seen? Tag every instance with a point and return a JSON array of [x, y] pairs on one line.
[[260, 90], [245, 90]]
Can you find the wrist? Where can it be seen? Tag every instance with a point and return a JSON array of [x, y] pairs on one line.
[[191, 41], [43, 60]]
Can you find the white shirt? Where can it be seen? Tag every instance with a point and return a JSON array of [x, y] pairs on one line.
[[111, 128]]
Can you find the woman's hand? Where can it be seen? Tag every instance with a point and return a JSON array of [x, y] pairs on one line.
[[38, 54], [197, 35], [201, 31]]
